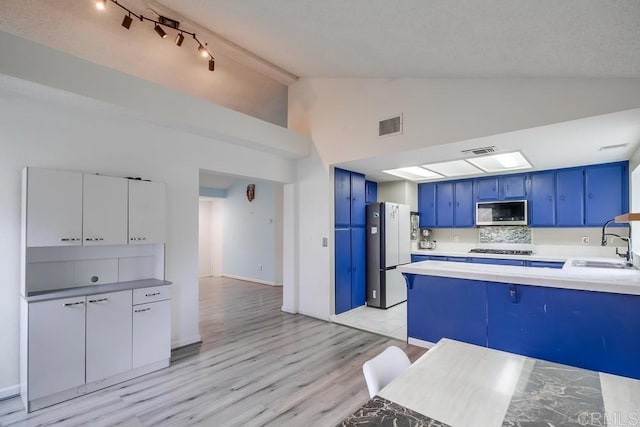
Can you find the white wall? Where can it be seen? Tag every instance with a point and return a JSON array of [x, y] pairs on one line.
[[217, 236], [249, 242], [57, 130], [403, 192], [205, 259]]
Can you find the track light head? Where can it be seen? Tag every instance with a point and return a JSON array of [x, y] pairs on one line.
[[126, 22], [160, 31], [203, 51], [101, 4], [212, 64], [179, 39]]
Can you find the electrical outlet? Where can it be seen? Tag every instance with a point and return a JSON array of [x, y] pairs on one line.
[[374, 294], [455, 238], [585, 240]]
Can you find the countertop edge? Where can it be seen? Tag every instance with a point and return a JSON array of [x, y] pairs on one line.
[[94, 289]]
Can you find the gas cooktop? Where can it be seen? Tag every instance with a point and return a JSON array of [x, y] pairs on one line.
[[502, 251]]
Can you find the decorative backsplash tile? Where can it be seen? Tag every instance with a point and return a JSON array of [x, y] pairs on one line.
[[504, 234]]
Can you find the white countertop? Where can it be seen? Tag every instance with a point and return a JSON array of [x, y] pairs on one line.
[[466, 385], [532, 257], [569, 277], [94, 289]]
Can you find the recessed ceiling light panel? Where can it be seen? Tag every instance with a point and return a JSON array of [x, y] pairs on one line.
[[501, 162], [453, 168], [413, 173]]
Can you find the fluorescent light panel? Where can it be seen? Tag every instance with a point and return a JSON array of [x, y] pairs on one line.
[[413, 173], [453, 168], [501, 162]]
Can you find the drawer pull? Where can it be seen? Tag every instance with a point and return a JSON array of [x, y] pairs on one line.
[[143, 309], [70, 304], [99, 300], [152, 295], [65, 239]]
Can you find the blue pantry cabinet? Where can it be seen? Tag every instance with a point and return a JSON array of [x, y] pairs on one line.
[[350, 240]]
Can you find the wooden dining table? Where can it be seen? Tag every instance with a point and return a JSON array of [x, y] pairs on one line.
[[457, 384]]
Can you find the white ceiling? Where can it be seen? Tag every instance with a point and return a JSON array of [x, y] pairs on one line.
[[432, 38]]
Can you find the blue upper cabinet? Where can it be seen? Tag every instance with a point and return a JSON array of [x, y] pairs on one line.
[[342, 194], [542, 200], [570, 197], [464, 205], [513, 187], [606, 192], [371, 192], [358, 215], [427, 204], [444, 204], [487, 188]]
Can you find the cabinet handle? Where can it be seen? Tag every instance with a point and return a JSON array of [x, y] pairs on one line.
[[100, 238], [549, 198], [591, 195], [99, 300], [513, 293], [152, 295], [562, 198], [143, 309], [89, 240], [70, 304], [64, 239]]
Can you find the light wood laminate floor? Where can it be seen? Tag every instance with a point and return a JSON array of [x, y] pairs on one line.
[[256, 366]]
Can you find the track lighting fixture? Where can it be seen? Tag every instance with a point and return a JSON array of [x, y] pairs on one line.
[[160, 31], [126, 22], [161, 22]]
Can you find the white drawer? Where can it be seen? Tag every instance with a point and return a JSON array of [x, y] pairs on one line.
[[156, 293]]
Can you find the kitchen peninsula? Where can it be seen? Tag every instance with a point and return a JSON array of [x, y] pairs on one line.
[[579, 316]]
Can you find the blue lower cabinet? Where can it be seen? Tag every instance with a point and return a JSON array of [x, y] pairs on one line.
[[517, 262], [418, 258], [594, 330], [440, 307], [545, 264], [438, 258], [343, 270], [358, 267], [516, 319], [457, 259]]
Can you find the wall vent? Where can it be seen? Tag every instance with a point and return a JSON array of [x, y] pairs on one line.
[[390, 126], [480, 150]]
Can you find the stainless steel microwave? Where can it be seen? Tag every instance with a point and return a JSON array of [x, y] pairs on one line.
[[502, 213]]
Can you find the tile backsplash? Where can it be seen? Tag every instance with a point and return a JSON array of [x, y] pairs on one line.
[[520, 234]]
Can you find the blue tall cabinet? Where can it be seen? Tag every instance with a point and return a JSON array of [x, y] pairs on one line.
[[350, 193]]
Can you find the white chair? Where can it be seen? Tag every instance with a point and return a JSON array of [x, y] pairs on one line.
[[384, 368]]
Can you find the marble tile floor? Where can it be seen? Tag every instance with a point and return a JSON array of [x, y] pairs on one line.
[[256, 366], [391, 322]]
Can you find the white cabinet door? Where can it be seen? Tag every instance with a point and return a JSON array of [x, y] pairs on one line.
[[104, 210], [109, 332], [147, 212], [151, 333], [56, 346], [54, 207], [391, 220]]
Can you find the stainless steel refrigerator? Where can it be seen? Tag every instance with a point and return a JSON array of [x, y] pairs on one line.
[[388, 246]]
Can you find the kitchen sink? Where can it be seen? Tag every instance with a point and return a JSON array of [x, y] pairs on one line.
[[617, 265]]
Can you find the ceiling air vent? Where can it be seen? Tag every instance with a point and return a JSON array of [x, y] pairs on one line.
[[480, 150], [390, 126]]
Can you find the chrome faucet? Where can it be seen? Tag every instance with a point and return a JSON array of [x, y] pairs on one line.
[[627, 256]]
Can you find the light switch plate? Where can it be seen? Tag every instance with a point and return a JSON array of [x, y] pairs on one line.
[[325, 242]]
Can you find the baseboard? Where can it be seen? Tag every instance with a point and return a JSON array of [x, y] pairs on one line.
[[315, 316], [185, 341], [289, 310], [9, 392], [420, 343], [249, 279]]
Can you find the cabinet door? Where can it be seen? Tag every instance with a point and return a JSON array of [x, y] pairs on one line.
[[418, 258], [444, 204], [545, 264], [517, 319], [604, 192], [151, 333], [513, 186], [104, 210], [342, 197], [342, 270], [570, 198], [427, 204], [371, 189], [497, 261], [594, 330], [487, 188], [440, 307], [465, 207], [56, 346], [357, 200], [147, 212], [542, 201], [109, 335], [358, 267], [54, 207]]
